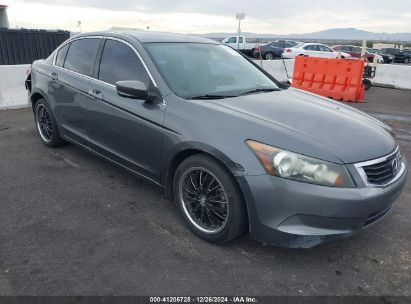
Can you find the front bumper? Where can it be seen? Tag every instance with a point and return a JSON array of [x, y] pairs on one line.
[[299, 215]]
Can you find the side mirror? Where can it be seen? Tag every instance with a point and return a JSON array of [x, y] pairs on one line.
[[135, 90]]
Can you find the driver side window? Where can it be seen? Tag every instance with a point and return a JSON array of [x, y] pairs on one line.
[[119, 62]]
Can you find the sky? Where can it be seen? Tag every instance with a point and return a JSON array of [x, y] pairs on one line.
[[208, 16]]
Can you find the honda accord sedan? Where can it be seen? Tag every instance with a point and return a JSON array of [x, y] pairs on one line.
[[235, 149]]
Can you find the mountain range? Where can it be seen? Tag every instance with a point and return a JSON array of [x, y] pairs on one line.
[[337, 34]]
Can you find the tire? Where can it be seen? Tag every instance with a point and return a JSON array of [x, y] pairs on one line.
[[269, 56], [406, 60], [46, 124], [367, 83], [203, 210]]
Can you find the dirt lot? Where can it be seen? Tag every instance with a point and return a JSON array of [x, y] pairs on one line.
[[73, 224]]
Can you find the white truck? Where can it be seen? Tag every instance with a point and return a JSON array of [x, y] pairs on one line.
[[240, 43]]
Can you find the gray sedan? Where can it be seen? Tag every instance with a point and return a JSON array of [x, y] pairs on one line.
[[235, 149]]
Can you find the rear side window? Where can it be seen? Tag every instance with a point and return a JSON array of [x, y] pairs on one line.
[[61, 55], [119, 62], [81, 54]]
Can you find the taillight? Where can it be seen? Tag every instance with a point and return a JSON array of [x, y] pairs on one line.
[[258, 49], [28, 72], [288, 50]]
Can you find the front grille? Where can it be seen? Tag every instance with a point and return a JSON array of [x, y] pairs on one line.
[[384, 171]]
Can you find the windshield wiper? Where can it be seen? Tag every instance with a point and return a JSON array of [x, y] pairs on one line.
[[210, 96], [260, 90]]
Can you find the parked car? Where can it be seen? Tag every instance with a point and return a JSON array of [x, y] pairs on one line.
[[355, 52], [312, 50], [234, 148], [399, 55], [240, 43], [272, 50], [387, 58], [407, 52]]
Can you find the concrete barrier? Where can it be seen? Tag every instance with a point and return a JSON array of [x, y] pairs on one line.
[[13, 94], [397, 76]]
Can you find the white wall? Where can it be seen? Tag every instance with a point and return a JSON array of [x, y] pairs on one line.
[[13, 94]]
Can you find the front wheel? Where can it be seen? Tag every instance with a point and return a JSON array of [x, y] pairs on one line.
[[406, 60], [46, 124], [209, 200]]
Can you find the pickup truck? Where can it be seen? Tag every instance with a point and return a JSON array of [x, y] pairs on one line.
[[240, 43]]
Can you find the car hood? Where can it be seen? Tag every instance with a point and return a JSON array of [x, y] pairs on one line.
[[350, 135]]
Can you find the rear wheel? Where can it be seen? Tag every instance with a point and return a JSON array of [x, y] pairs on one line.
[[46, 124], [406, 60], [269, 56], [209, 200], [367, 83]]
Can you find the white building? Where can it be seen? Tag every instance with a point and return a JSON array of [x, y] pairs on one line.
[[380, 46]]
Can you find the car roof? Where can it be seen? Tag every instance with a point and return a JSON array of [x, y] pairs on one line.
[[150, 36], [313, 43]]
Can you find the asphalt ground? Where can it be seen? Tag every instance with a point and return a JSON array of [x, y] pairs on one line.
[[74, 224]]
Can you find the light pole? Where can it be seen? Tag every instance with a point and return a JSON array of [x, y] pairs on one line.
[[79, 25], [239, 17]]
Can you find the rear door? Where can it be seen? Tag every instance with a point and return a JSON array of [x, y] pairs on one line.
[[326, 51], [312, 50], [73, 67], [128, 131]]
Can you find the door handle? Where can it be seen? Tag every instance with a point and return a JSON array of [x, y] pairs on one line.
[[96, 93], [54, 76]]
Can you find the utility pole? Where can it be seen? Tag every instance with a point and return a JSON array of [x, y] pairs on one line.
[[239, 17]]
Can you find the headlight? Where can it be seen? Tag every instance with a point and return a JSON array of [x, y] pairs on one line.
[[290, 165]]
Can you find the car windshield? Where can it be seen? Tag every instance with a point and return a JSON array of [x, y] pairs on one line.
[[206, 70]]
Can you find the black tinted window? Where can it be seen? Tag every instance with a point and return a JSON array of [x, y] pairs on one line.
[[120, 62], [80, 55], [61, 55]]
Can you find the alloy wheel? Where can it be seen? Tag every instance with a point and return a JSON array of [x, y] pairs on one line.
[[204, 200], [44, 123]]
